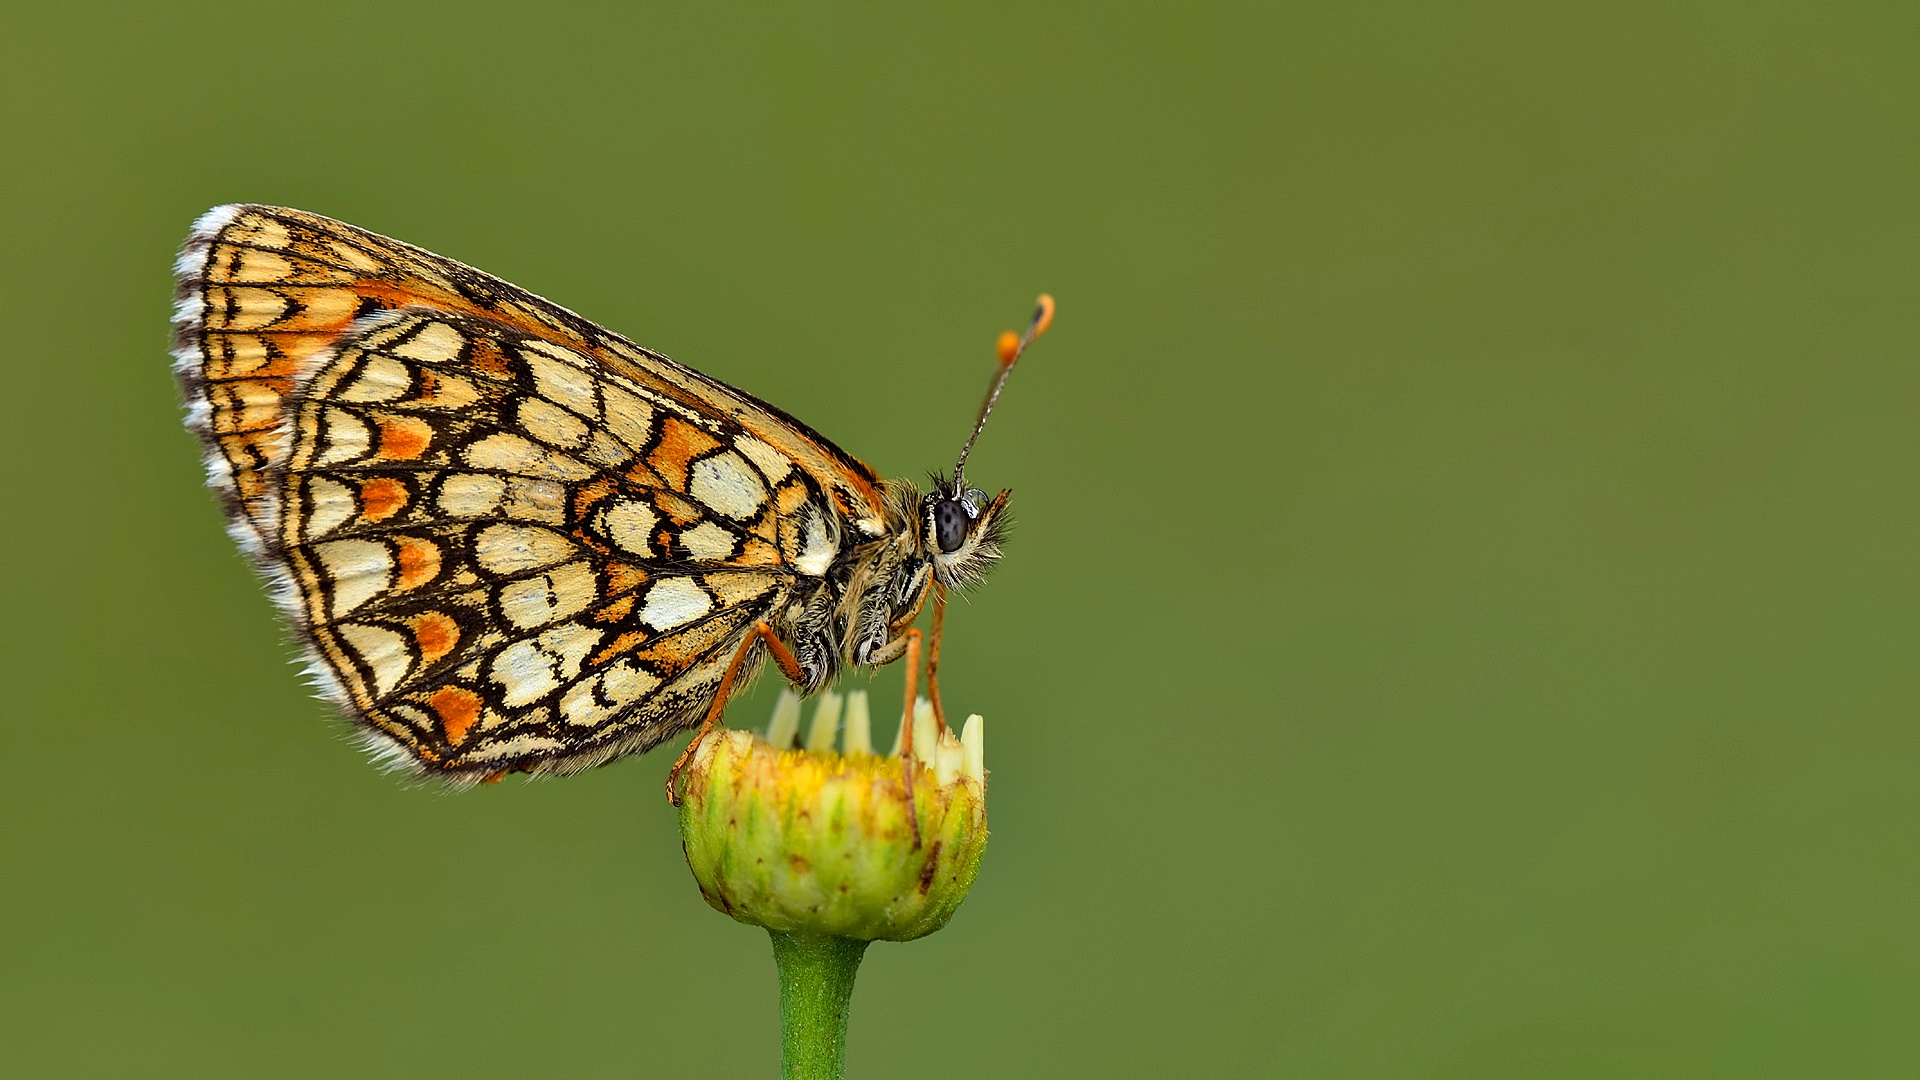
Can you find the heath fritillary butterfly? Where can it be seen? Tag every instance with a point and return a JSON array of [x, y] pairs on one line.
[[514, 541]]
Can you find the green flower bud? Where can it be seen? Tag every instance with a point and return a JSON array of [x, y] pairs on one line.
[[810, 841]]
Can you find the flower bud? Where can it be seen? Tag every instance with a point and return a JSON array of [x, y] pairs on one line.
[[812, 841]]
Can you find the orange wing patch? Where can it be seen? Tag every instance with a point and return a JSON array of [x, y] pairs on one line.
[[457, 708], [381, 498], [435, 634], [680, 442], [404, 438]]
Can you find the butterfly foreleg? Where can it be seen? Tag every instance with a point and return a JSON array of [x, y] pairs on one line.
[[933, 655], [910, 645], [782, 656]]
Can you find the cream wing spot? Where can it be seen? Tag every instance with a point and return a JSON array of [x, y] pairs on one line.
[[536, 500], [347, 438], [625, 682], [708, 541], [674, 602], [436, 343], [541, 600], [579, 705], [354, 257], [816, 552], [471, 495], [551, 424], [595, 700], [384, 651], [358, 570], [330, 503], [261, 266], [516, 454], [629, 418], [605, 451], [562, 380], [251, 308], [727, 484], [381, 378], [569, 644], [629, 524], [515, 549], [771, 462], [525, 674]]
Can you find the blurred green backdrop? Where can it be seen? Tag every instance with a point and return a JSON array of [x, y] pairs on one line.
[[1463, 613]]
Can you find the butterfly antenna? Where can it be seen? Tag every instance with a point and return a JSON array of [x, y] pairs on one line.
[[1011, 346]]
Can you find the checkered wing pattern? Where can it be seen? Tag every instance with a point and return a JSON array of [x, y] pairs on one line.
[[513, 540]]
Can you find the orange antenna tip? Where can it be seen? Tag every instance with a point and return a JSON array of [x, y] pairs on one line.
[[1043, 315], [1008, 347]]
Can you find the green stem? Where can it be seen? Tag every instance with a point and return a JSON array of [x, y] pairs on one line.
[[816, 987]]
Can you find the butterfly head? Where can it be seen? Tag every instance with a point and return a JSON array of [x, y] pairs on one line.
[[961, 532], [951, 535]]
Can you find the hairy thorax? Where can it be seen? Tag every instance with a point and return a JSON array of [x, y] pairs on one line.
[[857, 612]]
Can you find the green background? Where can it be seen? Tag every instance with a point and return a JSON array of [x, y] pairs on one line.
[[1462, 617]]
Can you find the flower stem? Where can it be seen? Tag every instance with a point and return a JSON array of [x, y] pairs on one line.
[[816, 987]]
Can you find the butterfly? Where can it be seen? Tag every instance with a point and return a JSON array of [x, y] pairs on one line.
[[511, 540]]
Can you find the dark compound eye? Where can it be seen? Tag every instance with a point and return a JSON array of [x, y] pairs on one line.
[[950, 523]]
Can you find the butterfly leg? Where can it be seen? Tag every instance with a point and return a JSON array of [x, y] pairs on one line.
[[933, 655], [789, 667], [906, 730]]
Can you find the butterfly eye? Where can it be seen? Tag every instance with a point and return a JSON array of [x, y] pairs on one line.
[[950, 523]]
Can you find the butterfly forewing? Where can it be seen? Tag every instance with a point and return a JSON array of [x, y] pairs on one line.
[[513, 539]]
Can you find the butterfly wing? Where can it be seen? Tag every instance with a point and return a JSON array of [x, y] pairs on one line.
[[512, 539]]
